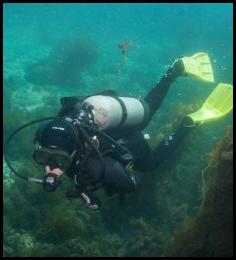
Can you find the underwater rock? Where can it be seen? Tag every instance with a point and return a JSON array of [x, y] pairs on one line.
[[29, 99], [210, 233], [64, 65]]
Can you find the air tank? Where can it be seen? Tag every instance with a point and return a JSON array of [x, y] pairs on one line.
[[117, 112]]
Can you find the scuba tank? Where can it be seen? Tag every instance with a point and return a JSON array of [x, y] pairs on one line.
[[111, 112]]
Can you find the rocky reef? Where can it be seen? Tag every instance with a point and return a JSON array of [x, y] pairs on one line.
[[64, 64]]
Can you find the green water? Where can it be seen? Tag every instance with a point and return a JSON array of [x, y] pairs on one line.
[[56, 50]]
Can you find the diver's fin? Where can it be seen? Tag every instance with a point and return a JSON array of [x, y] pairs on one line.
[[218, 104], [199, 65]]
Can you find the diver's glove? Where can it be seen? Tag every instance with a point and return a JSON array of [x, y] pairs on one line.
[[90, 202], [51, 182], [136, 180]]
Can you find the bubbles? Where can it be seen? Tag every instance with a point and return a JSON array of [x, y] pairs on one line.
[[146, 136], [223, 68]]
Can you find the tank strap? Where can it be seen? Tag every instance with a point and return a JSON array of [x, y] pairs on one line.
[[146, 116], [124, 111]]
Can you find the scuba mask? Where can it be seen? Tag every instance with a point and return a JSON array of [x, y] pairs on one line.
[[60, 159], [54, 158]]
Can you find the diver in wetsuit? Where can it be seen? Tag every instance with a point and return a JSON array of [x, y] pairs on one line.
[[97, 140]]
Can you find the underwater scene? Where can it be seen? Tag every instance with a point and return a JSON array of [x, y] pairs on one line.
[[175, 60]]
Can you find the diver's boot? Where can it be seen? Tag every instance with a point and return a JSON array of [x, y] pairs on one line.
[[217, 105], [199, 66]]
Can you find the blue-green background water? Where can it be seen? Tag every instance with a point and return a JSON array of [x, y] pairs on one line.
[[160, 33]]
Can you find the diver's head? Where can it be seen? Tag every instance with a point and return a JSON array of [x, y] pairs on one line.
[[55, 149]]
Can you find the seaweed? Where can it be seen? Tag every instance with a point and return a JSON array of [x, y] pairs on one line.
[[147, 239], [210, 232], [123, 47]]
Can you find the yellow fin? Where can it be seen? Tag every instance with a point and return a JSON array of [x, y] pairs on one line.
[[217, 105], [199, 65]]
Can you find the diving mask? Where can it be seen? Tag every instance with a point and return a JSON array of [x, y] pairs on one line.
[[61, 159]]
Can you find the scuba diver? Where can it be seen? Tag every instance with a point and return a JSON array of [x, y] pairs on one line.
[[97, 140]]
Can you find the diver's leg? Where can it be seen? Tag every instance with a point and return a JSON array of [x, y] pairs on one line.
[[117, 179], [198, 65], [168, 145], [157, 94], [218, 104]]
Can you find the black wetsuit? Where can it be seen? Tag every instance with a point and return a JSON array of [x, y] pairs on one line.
[[116, 179]]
